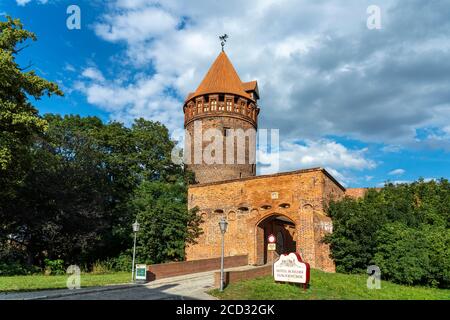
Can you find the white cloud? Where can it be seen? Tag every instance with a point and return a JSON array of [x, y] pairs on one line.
[[144, 98], [133, 26], [391, 148], [22, 2], [397, 172], [336, 158], [25, 2], [320, 71], [93, 74], [69, 67], [313, 60], [324, 153]]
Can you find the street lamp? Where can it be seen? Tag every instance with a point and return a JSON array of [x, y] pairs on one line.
[[223, 224], [136, 227]]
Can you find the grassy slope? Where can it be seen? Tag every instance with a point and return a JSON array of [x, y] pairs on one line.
[[327, 286], [38, 282]]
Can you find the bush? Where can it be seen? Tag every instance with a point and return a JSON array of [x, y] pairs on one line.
[[18, 269], [122, 262], [102, 267], [54, 267], [414, 256], [403, 229]]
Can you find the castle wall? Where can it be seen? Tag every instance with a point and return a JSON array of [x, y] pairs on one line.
[[298, 196]]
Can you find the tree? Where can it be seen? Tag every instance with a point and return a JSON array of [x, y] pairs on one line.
[[64, 205], [74, 203], [68, 184], [166, 223], [404, 229], [19, 120]]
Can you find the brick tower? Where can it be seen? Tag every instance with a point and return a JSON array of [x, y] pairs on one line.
[[227, 105]]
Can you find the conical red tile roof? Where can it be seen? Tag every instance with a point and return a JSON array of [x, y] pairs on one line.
[[221, 78]]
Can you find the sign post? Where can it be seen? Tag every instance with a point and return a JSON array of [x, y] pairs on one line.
[[141, 272], [291, 268], [271, 245]]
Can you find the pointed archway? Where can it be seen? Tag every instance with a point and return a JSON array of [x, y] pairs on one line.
[[284, 230]]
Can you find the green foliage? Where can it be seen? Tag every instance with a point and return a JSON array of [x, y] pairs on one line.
[[123, 262], [404, 229], [17, 268], [414, 256], [74, 203], [55, 267], [103, 267], [19, 120], [166, 223]]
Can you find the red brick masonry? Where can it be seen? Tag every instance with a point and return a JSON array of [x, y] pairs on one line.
[[171, 269], [235, 276]]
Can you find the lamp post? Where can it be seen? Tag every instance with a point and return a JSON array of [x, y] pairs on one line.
[[223, 228], [136, 227]]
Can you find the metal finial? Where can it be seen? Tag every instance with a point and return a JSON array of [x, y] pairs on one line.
[[223, 40]]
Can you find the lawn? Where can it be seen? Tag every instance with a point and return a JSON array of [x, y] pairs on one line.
[[327, 286], [40, 282]]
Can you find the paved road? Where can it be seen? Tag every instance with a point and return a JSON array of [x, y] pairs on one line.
[[187, 287], [190, 287]]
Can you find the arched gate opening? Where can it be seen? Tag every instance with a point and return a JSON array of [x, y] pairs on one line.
[[285, 232]]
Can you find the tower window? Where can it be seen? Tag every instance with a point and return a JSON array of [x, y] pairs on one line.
[[221, 106], [199, 107], [206, 108], [213, 105], [229, 105], [225, 131]]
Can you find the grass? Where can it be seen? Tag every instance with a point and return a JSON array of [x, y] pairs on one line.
[[41, 282], [327, 286]]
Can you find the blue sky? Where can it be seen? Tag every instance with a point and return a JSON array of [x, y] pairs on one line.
[[368, 105]]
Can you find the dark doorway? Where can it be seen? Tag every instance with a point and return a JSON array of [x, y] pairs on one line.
[[283, 229]]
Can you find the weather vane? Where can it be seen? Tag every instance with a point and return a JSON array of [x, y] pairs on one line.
[[223, 39]]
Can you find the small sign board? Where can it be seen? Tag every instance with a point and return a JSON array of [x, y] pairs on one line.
[[271, 246], [271, 239], [141, 272], [291, 268]]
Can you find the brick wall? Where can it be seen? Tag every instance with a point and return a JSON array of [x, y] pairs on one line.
[[247, 202], [219, 170], [235, 276], [171, 269], [356, 192]]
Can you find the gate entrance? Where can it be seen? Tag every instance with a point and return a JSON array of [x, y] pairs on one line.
[[283, 229]]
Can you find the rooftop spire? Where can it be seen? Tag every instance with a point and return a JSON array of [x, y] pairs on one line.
[[221, 78]]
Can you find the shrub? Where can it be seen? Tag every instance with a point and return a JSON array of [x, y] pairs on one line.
[[404, 229], [55, 267], [102, 267], [18, 269], [122, 262]]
